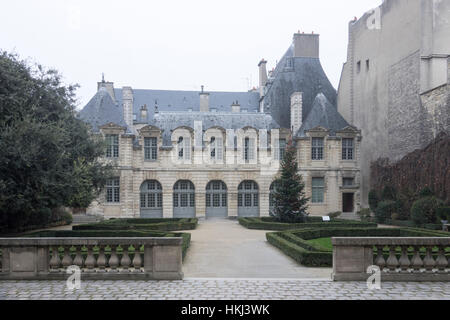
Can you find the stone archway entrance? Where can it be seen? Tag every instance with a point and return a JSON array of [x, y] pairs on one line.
[[216, 200], [248, 199], [151, 199], [184, 199]]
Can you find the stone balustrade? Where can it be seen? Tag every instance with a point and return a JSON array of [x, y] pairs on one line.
[[399, 259], [97, 258]]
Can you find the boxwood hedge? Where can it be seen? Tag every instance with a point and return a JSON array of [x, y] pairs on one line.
[[267, 223], [175, 224], [294, 244]]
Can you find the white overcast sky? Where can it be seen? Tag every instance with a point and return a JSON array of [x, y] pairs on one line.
[[172, 45]]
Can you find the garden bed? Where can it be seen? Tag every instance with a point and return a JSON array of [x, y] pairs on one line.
[[268, 223], [298, 245], [142, 224]]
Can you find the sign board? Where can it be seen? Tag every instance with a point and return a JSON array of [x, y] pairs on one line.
[[326, 218]]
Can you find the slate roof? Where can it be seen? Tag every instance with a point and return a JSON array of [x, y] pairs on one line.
[[169, 121], [291, 75], [323, 114], [177, 100], [101, 110]]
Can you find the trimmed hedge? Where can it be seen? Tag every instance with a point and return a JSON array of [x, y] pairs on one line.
[[142, 224], [411, 224], [266, 223], [294, 244], [111, 234]]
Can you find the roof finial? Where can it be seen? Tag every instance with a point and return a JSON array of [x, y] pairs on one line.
[[202, 88], [103, 77]]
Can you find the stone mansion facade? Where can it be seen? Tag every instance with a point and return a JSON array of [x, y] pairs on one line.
[[216, 154]]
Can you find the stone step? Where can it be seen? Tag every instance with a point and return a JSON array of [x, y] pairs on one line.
[[83, 218], [349, 216]]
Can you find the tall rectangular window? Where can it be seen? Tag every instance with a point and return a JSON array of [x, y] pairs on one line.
[[317, 149], [151, 149], [318, 187], [282, 148], [113, 190], [112, 145], [249, 152], [347, 149]]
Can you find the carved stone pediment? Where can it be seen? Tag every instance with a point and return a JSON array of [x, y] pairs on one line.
[[150, 131], [112, 125]]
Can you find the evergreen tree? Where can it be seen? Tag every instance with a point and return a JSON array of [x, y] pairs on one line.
[[290, 202], [48, 159]]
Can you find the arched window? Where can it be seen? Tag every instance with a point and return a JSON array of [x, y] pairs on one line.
[[184, 148], [184, 199], [216, 148], [248, 199], [151, 202], [216, 199]]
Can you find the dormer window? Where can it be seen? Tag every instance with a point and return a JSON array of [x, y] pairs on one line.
[[317, 149], [216, 148], [151, 149], [184, 148], [112, 145], [347, 149], [249, 153]]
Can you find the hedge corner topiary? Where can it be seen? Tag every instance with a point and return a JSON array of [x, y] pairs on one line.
[[424, 210], [385, 210]]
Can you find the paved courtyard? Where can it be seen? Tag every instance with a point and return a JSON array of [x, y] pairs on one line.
[[220, 289], [222, 248]]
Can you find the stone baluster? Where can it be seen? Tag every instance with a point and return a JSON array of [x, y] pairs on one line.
[[392, 261], [428, 260], [404, 260], [78, 261], [441, 261], [379, 261], [125, 262], [416, 261], [137, 260], [55, 261], [101, 260], [90, 259], [113, 259], [67, 259]]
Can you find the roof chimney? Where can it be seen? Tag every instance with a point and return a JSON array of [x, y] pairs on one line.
[[235, 107], [306, 45], [204, 101], [144, 113], [109, 86]]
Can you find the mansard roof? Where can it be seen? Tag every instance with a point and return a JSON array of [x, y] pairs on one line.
[[169, 121], [102, 110], [177, 100], [296, 74], [323, 114]]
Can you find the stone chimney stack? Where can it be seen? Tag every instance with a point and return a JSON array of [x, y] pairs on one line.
[[144, 113], [204, 101], [109, 86], [262, 76], [235, 107], [296, 111], [127, 98], [306, 45]]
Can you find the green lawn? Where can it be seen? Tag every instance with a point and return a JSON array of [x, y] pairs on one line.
[[324, 243]]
